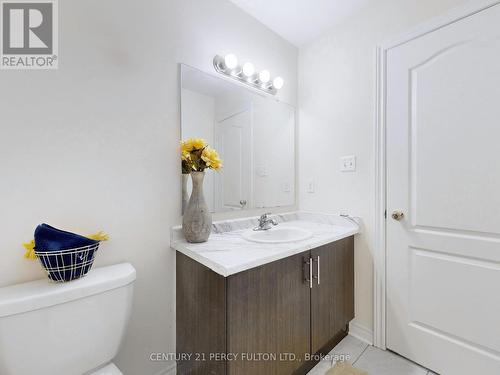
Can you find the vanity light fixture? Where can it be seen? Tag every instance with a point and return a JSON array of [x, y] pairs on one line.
[[264, 76], [278, 82], [231, 61], [248, 69], [228, 65]]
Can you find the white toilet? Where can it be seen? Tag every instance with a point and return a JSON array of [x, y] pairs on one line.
[[72, 328]]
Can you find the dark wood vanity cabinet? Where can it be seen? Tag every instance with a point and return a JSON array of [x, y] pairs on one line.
[[332, 299], [265, 320], [268, 311]]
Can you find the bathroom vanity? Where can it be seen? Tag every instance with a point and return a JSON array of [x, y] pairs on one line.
[[247, 307], [256, 302]]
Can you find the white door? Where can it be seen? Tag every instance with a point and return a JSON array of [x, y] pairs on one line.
[[234, 142], [443, 173]]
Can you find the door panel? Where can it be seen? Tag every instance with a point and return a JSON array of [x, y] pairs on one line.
[[234, 142], [332, 301], [443, 258], [429, 288], [449, 95], [272, 302]]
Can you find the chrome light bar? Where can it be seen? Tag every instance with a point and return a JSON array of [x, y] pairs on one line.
[[228, 65]]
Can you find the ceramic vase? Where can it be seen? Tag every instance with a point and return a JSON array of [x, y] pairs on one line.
[[185, 195], [197, 219]]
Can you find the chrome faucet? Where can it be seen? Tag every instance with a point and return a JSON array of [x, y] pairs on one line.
[[265, 223]]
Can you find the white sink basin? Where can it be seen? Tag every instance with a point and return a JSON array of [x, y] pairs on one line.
[[277, 235]]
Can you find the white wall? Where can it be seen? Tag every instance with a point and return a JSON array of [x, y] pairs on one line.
[[94, 145], [273, 156], [336, 97]]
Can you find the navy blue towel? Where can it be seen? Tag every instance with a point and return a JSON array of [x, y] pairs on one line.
[[48, 238], [54, 248]]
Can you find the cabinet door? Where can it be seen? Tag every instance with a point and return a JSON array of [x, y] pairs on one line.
[[268, 316], [201, 323], [332, 295]]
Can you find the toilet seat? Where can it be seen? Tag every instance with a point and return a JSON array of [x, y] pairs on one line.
[[110, 369]]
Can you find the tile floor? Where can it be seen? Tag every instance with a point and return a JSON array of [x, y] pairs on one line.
[[370, 359]]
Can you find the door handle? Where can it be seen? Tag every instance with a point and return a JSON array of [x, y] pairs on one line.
[[397, 215], [310, 273], [319, 270], [309, 277]]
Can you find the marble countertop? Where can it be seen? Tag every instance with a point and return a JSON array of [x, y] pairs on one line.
[[226, 252]]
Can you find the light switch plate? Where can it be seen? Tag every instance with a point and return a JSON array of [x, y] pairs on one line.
[[262, 170], [310, 187], [348, 163]]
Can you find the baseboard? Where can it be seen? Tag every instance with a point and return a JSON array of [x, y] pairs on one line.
[[171, 369], [361, 332]]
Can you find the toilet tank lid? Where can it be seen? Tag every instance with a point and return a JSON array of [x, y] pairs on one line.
[[20, 298]]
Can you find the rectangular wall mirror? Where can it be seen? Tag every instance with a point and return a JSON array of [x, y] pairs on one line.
[[254, 134]]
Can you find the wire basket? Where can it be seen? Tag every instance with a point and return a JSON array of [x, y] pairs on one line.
[[69, 264]]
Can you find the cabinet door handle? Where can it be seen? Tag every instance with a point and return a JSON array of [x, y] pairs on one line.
[[310, 273], [319, 270]]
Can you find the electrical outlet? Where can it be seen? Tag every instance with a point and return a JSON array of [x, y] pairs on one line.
[[287, 187], [348, 163]]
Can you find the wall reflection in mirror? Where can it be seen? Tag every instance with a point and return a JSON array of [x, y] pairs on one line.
[[254, 134]]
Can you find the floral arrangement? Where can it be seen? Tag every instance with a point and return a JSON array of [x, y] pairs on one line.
[[197, 155]]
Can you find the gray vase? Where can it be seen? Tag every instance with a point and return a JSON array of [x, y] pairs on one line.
[[185, 195], [197, 220]]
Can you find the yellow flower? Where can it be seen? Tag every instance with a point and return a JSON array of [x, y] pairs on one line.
[[30, 250], [192, 144], [211, 158], [196, 155], [198, 143], [186, 156]]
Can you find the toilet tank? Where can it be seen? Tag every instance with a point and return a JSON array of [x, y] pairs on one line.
[[69, 328]]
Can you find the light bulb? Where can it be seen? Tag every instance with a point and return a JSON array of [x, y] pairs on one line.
[[278, 83], [248, 69], [231, 61], [264, 76]]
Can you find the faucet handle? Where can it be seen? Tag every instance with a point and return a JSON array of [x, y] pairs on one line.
[[265, 216], [265, 222]]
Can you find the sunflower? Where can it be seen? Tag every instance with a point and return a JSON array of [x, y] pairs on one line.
[[193, 144], [197, 156], [211, 158]]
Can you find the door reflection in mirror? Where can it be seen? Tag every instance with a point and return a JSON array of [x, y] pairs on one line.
[[255, 137]]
